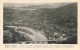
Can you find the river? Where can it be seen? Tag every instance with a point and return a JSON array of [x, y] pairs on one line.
[[36, 36]]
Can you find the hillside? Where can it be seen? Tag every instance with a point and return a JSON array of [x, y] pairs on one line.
[[49, 20]]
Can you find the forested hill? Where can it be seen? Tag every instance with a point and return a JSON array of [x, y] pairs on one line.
[[62, 19]]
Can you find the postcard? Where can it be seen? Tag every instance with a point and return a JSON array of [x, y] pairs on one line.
[[39, 24]]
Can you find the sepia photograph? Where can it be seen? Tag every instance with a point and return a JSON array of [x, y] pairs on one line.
[[40, 23]]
